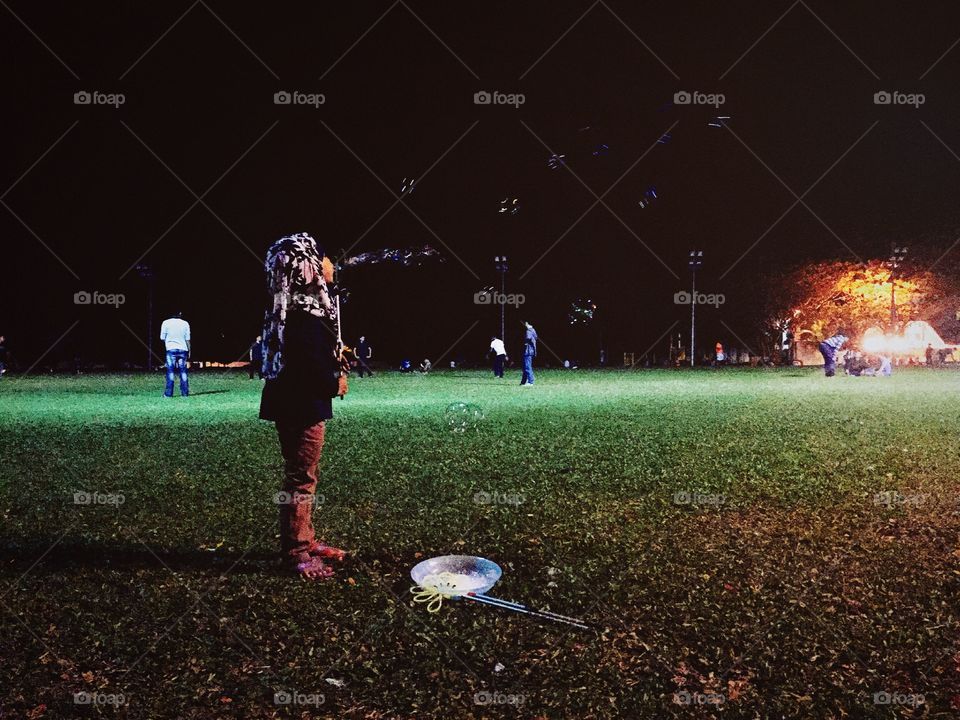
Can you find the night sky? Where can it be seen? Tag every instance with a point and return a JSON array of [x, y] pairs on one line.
[[95, 189]]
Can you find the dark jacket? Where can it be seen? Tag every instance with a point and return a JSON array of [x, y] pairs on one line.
[[302, 392]]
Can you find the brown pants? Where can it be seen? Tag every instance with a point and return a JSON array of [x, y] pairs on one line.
[[301, 448]]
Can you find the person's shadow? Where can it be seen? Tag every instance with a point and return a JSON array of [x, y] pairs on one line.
[[77, 557]]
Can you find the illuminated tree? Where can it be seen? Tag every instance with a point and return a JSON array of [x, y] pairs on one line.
[[824, 297]]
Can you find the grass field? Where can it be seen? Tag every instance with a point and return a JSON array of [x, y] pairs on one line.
[[721, 530]]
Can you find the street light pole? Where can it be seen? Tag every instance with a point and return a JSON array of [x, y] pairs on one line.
[[696, 260], [146, 272], [500, 263], [897, 256]]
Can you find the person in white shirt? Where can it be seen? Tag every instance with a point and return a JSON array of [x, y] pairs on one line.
[[499, 355], [175, 333]]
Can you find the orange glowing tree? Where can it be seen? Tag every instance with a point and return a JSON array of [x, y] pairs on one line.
[[821, 298]]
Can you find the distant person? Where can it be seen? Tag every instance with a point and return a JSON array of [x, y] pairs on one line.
[[3, 355], [886, 366], [256, 358], [529, 353], [303, 375], [928, 354], [426, 366], [363, 352], [719, 354], [859, 364], [848, 361], [829, 349], [405, 366], [499, 355], [175, 333]]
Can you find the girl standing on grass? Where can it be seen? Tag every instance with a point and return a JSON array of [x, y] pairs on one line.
[[303, 375]]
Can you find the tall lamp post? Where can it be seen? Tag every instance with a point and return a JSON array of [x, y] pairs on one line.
[[500, 263], [897, 256], [696, 260], [146, 272]]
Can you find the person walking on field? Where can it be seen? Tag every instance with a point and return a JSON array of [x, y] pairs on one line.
[[829, 349], [529, 353], [499, 355], [363, 352], [303, 375], [256, 358], [175, 333]]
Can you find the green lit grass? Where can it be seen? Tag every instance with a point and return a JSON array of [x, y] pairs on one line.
[[677, 591]]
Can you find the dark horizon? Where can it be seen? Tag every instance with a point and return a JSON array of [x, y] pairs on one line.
[[90, 191]]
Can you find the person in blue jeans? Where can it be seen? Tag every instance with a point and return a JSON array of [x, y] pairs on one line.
[[829, 349], [175, 333], [529, 353]]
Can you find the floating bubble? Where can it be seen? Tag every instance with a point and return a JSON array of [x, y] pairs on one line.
[[593, 140], [510, 205], [649, 195], [461, 416], [556, 161], [403, 256], [582, 311], [486, 295]]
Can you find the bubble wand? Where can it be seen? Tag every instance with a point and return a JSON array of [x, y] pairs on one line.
[[464, 577]]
